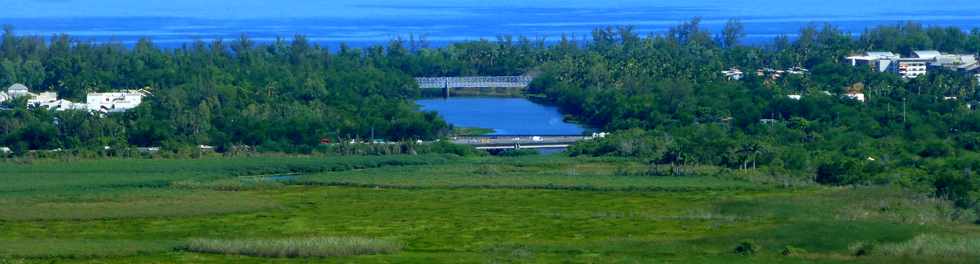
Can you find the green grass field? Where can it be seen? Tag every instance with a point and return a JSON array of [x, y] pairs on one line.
[[446, 209]]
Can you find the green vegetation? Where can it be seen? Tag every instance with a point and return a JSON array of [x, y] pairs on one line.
[[445, 209], [296, 248], [698, 168], [935, 246], [471, 131], [53, 175], [533, 172], [45, 248]]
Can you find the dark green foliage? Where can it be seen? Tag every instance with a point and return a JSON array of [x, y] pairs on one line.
[[839, 171], [635, 143], [665, 101], [278, 97], [959, 188], [747, 248], [397, 149], [519, 152], [864, 248], [793, 251]]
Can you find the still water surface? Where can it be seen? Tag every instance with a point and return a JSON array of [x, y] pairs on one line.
[[362, 23], [506, 116]]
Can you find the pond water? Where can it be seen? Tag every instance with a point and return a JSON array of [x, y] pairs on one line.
[[506, 116]]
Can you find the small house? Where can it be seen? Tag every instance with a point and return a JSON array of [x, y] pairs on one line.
[[855, 96], [18, 90], [733, 74]]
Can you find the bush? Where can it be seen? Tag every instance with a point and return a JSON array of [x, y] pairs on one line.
[[519, 153], [863, 248], [792, 251], [935, 149], [747, 248], [840, 171], [486, 170], [634, 143], [957, 188]]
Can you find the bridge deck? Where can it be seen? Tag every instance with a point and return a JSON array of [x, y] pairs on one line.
[[474, 82], [487, 141]]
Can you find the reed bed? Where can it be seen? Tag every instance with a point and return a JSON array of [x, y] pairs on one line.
[[929, 245], [79, 248], [296, 247]]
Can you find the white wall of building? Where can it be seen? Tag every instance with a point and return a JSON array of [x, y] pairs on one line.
[[96, 102], [114, 102]]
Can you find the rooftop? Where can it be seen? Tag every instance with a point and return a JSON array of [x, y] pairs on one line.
[[926, 54], [17, 87]]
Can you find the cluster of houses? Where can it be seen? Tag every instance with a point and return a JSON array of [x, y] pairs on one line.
[[736, 74], [95, 102], [919, 64]]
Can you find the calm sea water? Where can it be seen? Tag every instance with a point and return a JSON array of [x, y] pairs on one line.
[[506, 116], [442, 22]]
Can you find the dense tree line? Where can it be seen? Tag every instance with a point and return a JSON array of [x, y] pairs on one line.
[[669, 103], [283, 96]]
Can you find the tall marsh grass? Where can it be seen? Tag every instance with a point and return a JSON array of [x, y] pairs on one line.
[[80, 248], [130, 203], [296, 247], [933, 246], [59, 176]]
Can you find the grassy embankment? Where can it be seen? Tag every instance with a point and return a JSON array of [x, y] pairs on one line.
[[471, 131], [444, 209]]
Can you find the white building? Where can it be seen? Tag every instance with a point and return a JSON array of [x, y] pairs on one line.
[[733, 74], [115, 102], [880, 61], [14, 91], [18, 90], [795, 97], [910, 68], [855, 96], [95, 102], [927, 54], [797, 71], [46, 99], [890, 62], [918, 65]]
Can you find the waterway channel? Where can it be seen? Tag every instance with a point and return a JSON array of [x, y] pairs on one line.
[[504, 115]]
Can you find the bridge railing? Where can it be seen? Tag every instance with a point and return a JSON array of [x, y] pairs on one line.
[[511, 140], [474, 82]]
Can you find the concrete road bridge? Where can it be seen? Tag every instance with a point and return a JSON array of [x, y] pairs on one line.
[[448, 83], [519, 141]]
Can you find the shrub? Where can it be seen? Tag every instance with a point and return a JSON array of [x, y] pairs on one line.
[[296, 247], [935, 149], [863, 248], [747, 248], [839, 171], [486, 170], [634, 143], [519, 153], [955, 187], [793, 251]]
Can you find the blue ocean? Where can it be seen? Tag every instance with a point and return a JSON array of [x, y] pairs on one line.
[[440, 22]]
